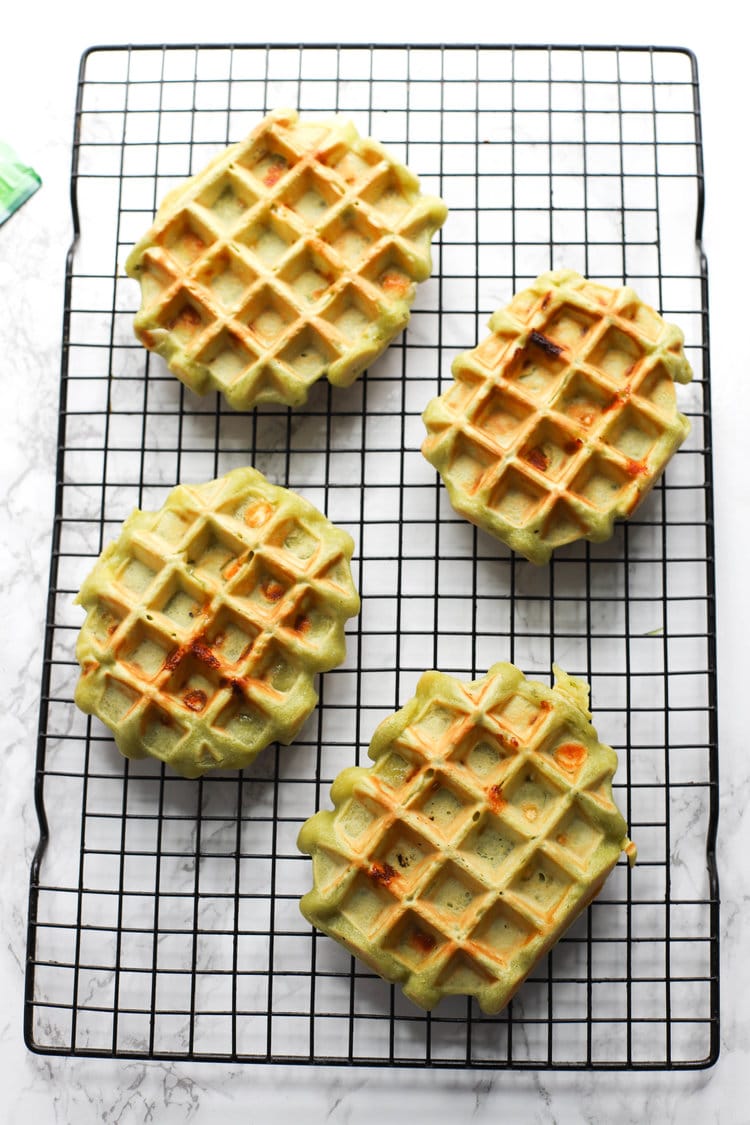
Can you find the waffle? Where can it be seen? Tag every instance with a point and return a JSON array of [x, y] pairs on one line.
[[207, 619], [560, 422], [294, 255], [484, 827]]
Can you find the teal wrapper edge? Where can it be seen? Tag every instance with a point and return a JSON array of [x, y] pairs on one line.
[[17, 182]]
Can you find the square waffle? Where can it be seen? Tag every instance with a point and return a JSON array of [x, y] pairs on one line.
[[561, 421], [484, 827], [206, 621], [293, 255]]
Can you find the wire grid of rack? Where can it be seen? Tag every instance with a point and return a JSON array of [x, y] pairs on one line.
[[164, 916]]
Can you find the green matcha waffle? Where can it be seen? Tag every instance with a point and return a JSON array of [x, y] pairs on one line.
[[561, 420], [294, 255], [485, 826], [207, 620]]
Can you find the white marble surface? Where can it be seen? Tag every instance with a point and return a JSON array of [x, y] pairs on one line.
[[39, 57]]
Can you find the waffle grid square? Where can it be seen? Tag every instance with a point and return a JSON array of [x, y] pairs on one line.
[[561, 421], [484, 827], [207, 620], [293, 255]]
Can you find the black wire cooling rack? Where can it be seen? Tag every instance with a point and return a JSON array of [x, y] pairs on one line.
[[163, 917]]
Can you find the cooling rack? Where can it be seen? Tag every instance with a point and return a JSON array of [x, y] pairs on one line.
[[163, 915]]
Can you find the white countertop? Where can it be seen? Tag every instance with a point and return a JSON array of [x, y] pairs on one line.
[[37, 84]]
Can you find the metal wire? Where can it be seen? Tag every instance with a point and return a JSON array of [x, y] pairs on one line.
[[163, 918]]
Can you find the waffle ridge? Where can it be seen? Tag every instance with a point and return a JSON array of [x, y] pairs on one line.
[[293, 255], [559, 422], [207, 619], [484, 827]]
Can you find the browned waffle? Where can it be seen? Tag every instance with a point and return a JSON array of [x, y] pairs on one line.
[[485, 826], [294, 255], [207, 620], [561, 421]]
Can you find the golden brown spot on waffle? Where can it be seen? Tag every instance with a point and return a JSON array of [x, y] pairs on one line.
[[272, 591], [547, 299], [197, 648], [530, 811], [202, 651], [562, 839], [187, 320], [175, 658], [537, 458], [240, 686], [495, 798], [89, 667], [544, 704], [382, 873], [274, 173], [572, 446], [231, 569], [549, 347], [302, 624], [394, 282], [235, 684], [570, 755], [147, 339], [257, 514], [422, 942], [635, 468], [196, 700]]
